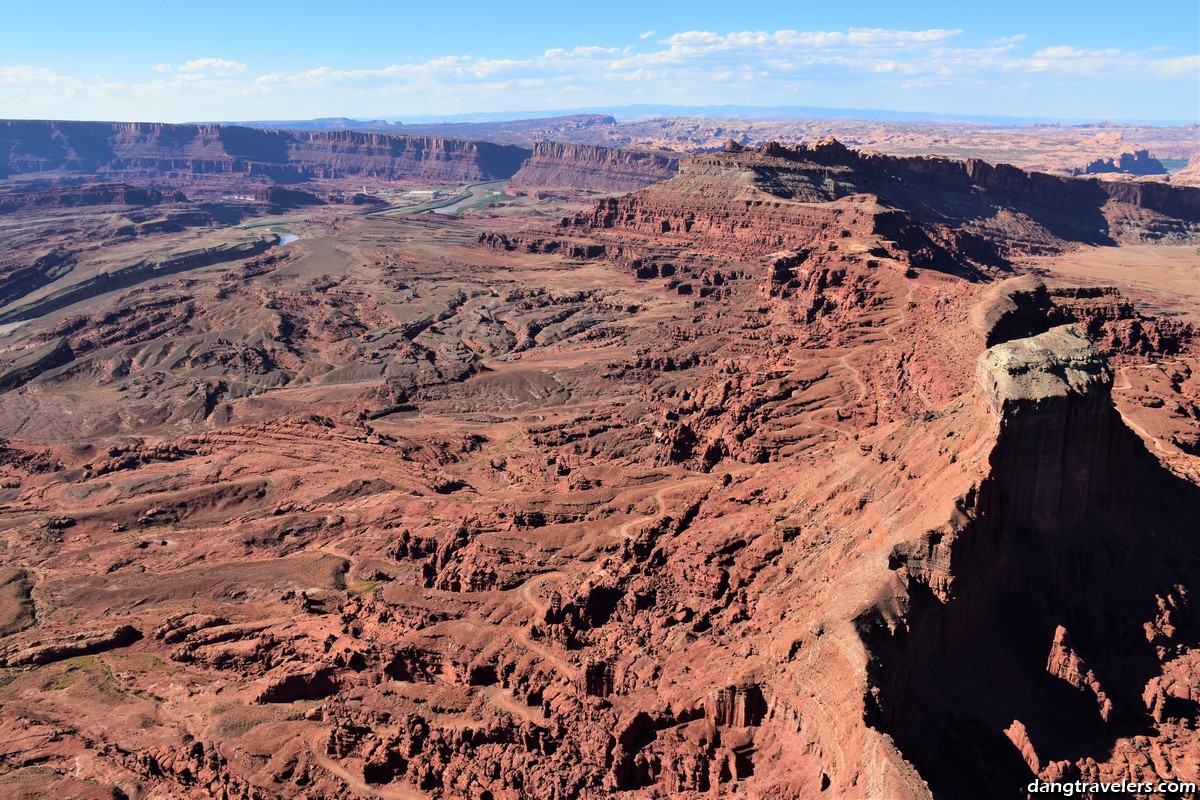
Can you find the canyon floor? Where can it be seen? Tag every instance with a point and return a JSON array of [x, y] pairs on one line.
[[651, 497]]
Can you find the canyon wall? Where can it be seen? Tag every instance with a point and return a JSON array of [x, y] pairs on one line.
[[134, 150], [774, 198], [1139, 162], [1063, 578], [91, 195], [556, 167]]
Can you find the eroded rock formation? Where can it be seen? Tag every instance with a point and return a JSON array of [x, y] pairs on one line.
[[776, 198], [780, 478], [164, 152], [572, 168], [34, 197], [1139, 162], [1031, 634]]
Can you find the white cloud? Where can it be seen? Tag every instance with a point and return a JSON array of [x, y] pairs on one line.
[[23, 76], [1062, 51], [854, 37], [213, 66], [694, 38], [645, 34], [865, 67], [886, 38], [1179, 67]]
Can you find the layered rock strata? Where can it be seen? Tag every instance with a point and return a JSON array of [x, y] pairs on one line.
[[119, 194], [556, 167], [130, 150], [429, 507], [1138, 162], [776, 198], [1031, 640]]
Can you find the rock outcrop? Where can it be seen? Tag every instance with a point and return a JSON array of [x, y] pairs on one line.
[[30, 364], [119, 194], [1047, 368], [136, 273], [279, 198], [1048, 582], [779, 198], [1139, 162], [566, 168]]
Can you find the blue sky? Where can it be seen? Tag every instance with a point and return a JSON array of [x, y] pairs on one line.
[[256, 60]]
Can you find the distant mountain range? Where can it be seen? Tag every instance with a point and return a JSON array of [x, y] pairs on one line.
[[646, 111]]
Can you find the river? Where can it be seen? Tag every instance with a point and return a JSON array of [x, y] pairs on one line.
[[477, 193]]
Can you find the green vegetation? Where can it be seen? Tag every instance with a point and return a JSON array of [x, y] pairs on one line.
[[493, 193], [431, 205], [266, 223], [238, 719], [97, 672], [485, 192], [92, 667]]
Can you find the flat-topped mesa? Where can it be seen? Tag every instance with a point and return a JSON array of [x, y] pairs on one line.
[[1012, 309], [1057, 365], [162, 151], [934, 210], [1075, 528], [1052, 394], [334, 154], [1175, 202], [741, 204], [1138, 162], [102, 194], [558, 167]]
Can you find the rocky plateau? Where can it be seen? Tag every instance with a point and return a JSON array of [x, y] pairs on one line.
[[555, 167], [188, 154], [775, 471]]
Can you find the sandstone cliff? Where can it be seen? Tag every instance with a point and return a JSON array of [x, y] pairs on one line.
[[129, 150], [1052, 581], [556, 167], [775, 198], [1139, 162], [87, 195]]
